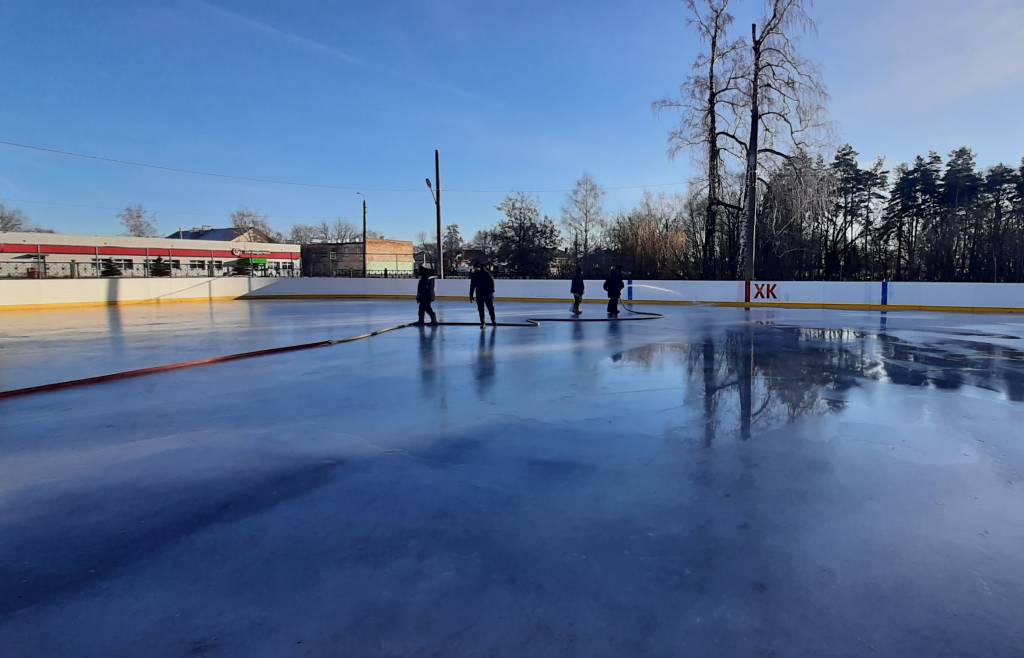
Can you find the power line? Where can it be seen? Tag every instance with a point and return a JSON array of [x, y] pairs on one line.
[[158, 211], [274, 181], [562, 189], [194, 172]]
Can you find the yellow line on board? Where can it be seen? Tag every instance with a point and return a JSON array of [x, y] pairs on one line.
[[541, 300], [879, 307], [672, 302], [129, 302]]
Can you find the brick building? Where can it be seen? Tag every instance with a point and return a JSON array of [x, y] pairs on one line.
[[346, 258]]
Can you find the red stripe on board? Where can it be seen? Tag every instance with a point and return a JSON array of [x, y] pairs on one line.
[[121, 251], [746, 291], [11, 248], [66, 249]]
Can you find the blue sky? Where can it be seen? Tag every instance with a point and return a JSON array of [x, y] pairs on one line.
[[518, 96]]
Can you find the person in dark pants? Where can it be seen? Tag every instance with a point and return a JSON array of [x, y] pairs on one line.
[[425, 295], [614, 285], [577, 289], [481, 287]]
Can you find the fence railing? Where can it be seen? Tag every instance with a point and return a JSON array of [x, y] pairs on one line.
[[566, 273], [103, 269], [93, 270], [556, 271]]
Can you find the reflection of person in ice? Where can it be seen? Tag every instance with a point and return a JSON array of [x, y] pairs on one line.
[[577, 289], [484, 374], [614, 285], [425, 295], [481, 287]]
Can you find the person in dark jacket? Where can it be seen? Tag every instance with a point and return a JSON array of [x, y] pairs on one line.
[[614, 285], [481, 288], [425, 295], [577, 289]]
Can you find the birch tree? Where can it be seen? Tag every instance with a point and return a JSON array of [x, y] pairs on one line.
[[709, 101], [583, 216], [137, 221], [785, 100]]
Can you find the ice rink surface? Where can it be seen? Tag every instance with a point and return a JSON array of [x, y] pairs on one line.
[[715, 483]]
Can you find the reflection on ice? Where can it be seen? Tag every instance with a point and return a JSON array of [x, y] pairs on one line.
[[762, 376]]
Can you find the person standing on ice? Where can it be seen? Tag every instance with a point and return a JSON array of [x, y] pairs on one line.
[[425, 295], [481, 287], [577, 289], [614, 285]]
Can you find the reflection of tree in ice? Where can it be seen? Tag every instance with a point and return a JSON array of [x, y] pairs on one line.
[[949, 363], [760, 377], [766, 377]]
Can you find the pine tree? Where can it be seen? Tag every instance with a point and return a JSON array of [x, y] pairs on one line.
[[525, 241], [159, 267], [961, 225], [925, 220], [997, 197], [110, 268], [899, 210]]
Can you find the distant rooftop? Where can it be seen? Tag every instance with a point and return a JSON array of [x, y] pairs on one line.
[[230, 234]]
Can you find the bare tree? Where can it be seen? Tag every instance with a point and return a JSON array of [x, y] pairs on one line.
[[337, 230], [137, 221], [785, 100], [452, 246], [302, 234], [709, 102], [650, 240], [583, 215], [425, 250], [245, 219], [14, 219], [487, 243]]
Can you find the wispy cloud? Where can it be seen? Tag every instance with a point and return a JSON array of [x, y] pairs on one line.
[[934, 52], [277, 33], [312, 45]]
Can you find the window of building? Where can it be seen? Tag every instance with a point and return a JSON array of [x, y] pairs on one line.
[[334, 255], [124, 263], [176, 264], [218, 264], [197, 265]]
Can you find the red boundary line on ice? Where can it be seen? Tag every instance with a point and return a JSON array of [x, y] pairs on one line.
[[194, 363]]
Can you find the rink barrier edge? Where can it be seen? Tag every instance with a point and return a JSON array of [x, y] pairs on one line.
[[543, 300]]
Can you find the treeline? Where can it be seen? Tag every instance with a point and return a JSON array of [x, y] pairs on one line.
[[767, 204], [929, 220], [141, 222]]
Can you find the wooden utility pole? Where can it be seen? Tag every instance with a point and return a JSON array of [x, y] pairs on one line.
[[437, 204], [364, 238]]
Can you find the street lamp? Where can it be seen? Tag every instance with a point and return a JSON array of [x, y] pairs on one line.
[[435, 192]]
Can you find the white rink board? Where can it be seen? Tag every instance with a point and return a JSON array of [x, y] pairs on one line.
[[941, 296]]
